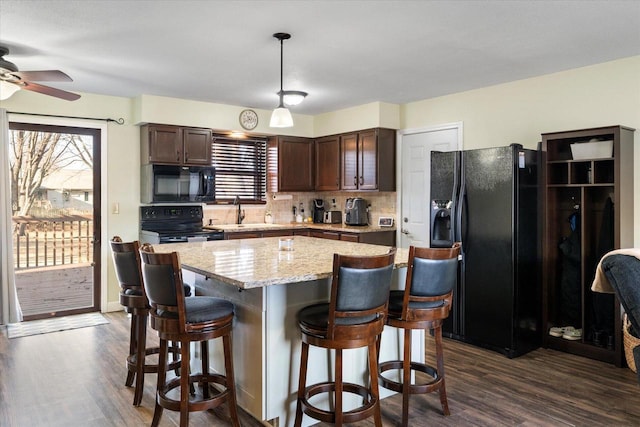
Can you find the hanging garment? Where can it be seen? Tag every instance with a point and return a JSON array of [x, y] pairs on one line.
[[570, 290], [603, 304]]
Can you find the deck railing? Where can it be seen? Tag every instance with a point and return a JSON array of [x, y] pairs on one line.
[[43, 242]]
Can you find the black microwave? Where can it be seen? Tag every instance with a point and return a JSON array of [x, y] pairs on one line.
[[175, 184]]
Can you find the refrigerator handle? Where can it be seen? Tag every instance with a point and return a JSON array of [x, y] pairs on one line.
[[464, 212], [455, 208], [460, 201]]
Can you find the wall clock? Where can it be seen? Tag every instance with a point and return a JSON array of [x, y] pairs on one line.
[[248, 119]]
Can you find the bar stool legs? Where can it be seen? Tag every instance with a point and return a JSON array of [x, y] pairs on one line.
[[137, 366], [370, 395], [436, 380], [440, 364], [186, 380], [138, 354]]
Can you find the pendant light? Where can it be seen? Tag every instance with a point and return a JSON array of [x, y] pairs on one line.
[[281, 117]]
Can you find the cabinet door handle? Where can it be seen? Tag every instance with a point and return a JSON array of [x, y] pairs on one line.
[[355, 180], [186, 156], [178, 155], [361, 180]]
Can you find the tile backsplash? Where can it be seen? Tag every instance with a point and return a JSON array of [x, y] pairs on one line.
[[382, 204]]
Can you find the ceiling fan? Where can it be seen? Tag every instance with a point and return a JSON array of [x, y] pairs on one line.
[[12, 80]]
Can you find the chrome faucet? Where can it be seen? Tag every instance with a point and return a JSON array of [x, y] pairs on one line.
[[240, 215]]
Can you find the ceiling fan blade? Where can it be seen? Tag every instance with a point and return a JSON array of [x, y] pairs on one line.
[[47, 90], [43, 76]]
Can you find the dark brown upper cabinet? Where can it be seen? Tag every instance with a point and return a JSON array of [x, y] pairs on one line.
[[369, 160], [328, 163], [290, 164], [174, 145], [196, 145]]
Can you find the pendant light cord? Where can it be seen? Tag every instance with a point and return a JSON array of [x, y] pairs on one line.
[[281, 72]]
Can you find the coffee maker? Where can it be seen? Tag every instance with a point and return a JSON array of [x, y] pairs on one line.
[[318, 211]]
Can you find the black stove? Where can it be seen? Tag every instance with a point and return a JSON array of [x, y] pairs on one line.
[[174, 224]]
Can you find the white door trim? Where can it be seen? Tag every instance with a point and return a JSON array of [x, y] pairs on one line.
[[412, 131], [105, 249]]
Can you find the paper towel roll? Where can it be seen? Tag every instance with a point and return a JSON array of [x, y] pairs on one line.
[[282, 197]]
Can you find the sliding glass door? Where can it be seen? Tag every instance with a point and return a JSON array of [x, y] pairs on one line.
[[55, 199]]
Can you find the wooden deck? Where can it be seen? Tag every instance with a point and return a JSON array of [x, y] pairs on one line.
[[53, 289]]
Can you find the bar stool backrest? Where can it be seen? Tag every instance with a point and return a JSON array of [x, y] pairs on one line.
[[163, 284], [359, 291], [126, 261], [431, 278]]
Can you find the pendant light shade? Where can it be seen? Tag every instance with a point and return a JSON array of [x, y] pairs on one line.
[[292, 97], [281, 116]]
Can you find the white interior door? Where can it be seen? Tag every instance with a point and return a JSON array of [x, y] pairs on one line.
[[416, 147]]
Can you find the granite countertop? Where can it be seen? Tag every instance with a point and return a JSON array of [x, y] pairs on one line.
[[255, 263], [232, 228]]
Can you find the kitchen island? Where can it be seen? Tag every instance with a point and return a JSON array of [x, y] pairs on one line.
[[268, 287]]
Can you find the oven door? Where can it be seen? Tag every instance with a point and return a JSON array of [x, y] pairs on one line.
[[155, 238]]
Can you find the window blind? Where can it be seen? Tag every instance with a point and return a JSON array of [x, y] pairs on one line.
[[240, 168]]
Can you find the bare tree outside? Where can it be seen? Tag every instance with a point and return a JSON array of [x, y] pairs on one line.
[[35, 155]]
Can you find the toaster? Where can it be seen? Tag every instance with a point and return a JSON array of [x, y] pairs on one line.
[[332, 217]]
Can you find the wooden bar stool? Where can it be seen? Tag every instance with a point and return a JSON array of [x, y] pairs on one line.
[[353, 318], [187, 320], [423, 304], [126, 260]]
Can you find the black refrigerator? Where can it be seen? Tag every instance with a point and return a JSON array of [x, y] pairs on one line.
[[487, 199]]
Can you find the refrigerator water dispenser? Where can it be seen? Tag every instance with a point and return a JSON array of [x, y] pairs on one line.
[[441, 231]]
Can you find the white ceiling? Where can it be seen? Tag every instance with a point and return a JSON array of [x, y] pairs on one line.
[[344, 53]]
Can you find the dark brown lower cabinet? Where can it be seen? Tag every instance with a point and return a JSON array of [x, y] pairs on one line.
[[386, 238]]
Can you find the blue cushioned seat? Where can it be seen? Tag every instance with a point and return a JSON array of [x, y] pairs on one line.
[[202, 309]]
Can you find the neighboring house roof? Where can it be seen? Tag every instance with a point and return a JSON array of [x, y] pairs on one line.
[[69, 179]]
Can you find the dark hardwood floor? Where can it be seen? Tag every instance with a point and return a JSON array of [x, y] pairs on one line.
[[76, 378]]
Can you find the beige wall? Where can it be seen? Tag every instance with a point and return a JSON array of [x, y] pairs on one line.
[[184, 112], [517, 112]]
